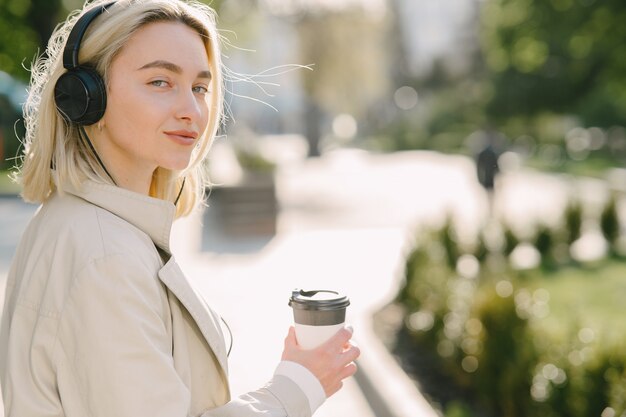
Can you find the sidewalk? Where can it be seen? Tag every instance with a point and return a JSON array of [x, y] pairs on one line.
[[360, 262]]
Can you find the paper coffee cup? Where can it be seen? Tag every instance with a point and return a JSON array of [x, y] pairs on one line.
[[318, 315]]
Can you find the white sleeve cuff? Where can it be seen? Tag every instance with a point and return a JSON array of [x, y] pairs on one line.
[[307, 382]]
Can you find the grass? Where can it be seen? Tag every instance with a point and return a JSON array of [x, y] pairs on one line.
[[593, 166], [590, 297]]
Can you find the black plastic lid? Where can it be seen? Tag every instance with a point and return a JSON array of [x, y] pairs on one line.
[[318, 300]]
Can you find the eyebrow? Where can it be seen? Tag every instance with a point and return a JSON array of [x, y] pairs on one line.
[[170, 66]]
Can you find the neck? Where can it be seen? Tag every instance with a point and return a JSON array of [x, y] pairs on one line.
[[124, 172], [134, 183]]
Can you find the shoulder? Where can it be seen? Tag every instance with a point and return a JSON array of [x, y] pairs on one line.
[[90, 231], [71, 240]]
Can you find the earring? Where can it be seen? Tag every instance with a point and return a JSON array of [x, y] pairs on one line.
[[99, 126]]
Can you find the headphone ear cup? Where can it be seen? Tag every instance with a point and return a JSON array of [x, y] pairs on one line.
[[80, 96]]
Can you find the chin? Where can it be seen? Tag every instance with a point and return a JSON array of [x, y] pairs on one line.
[[177, 164]]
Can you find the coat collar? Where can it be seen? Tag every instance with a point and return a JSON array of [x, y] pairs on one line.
[[207, 320], [151, 215]]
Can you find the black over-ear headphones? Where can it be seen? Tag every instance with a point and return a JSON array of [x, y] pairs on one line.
[[80, 93]]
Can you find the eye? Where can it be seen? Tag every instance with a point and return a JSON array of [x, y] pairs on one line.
[[200, 89], [159, 83]]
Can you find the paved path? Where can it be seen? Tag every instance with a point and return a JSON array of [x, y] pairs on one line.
[[346, 222]]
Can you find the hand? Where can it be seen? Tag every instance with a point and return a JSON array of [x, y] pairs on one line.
[[330, 362]]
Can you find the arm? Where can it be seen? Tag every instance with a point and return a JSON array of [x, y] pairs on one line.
[[114, 349], [115, 353], [280, 397], [308, 376]]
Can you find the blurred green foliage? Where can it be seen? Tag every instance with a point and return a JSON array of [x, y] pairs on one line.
[[609, 221], [504, 364], [523, 343], [557, 56], [541, 68], [25, 26], [538, 69], [545, 242], [573, 221]]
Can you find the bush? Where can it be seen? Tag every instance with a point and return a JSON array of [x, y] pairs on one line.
[[573, 221], [510, 240], [586, 389], [424, 291], [484, 328], [503, 376], [544, 242], [449, 240], [609, 223]]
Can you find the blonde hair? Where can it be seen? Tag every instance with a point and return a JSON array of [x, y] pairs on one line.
[[51, 141]]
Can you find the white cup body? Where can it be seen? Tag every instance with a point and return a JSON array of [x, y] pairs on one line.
[[310, 337]]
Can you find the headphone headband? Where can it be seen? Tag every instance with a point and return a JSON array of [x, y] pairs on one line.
[[72, 45]]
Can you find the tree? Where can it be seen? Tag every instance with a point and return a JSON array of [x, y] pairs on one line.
[[350, 64], [558, 56], [25, 27]]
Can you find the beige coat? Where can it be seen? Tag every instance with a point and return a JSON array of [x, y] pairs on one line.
[[99, 322]]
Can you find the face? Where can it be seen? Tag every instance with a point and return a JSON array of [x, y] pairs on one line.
[[158, 101]]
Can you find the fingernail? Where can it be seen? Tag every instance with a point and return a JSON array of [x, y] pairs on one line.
[[350, 328]]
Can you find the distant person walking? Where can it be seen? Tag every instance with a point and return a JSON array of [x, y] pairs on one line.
[[487, 168]]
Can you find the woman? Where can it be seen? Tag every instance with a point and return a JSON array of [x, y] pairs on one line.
[[98, 318]]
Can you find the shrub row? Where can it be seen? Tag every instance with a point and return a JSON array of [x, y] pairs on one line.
[[475, 312]]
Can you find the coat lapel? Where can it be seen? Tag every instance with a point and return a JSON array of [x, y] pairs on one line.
[[206, 319]]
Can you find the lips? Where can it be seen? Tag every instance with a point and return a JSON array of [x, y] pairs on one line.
[[182, 137]]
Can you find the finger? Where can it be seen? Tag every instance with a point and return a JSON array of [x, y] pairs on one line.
[[347, 371], [350, 355], [290, 339], [291, 334], [333, 389], [341, 337], [349, 344]]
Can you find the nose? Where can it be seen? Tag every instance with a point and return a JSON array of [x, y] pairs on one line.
[[188, 107]]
